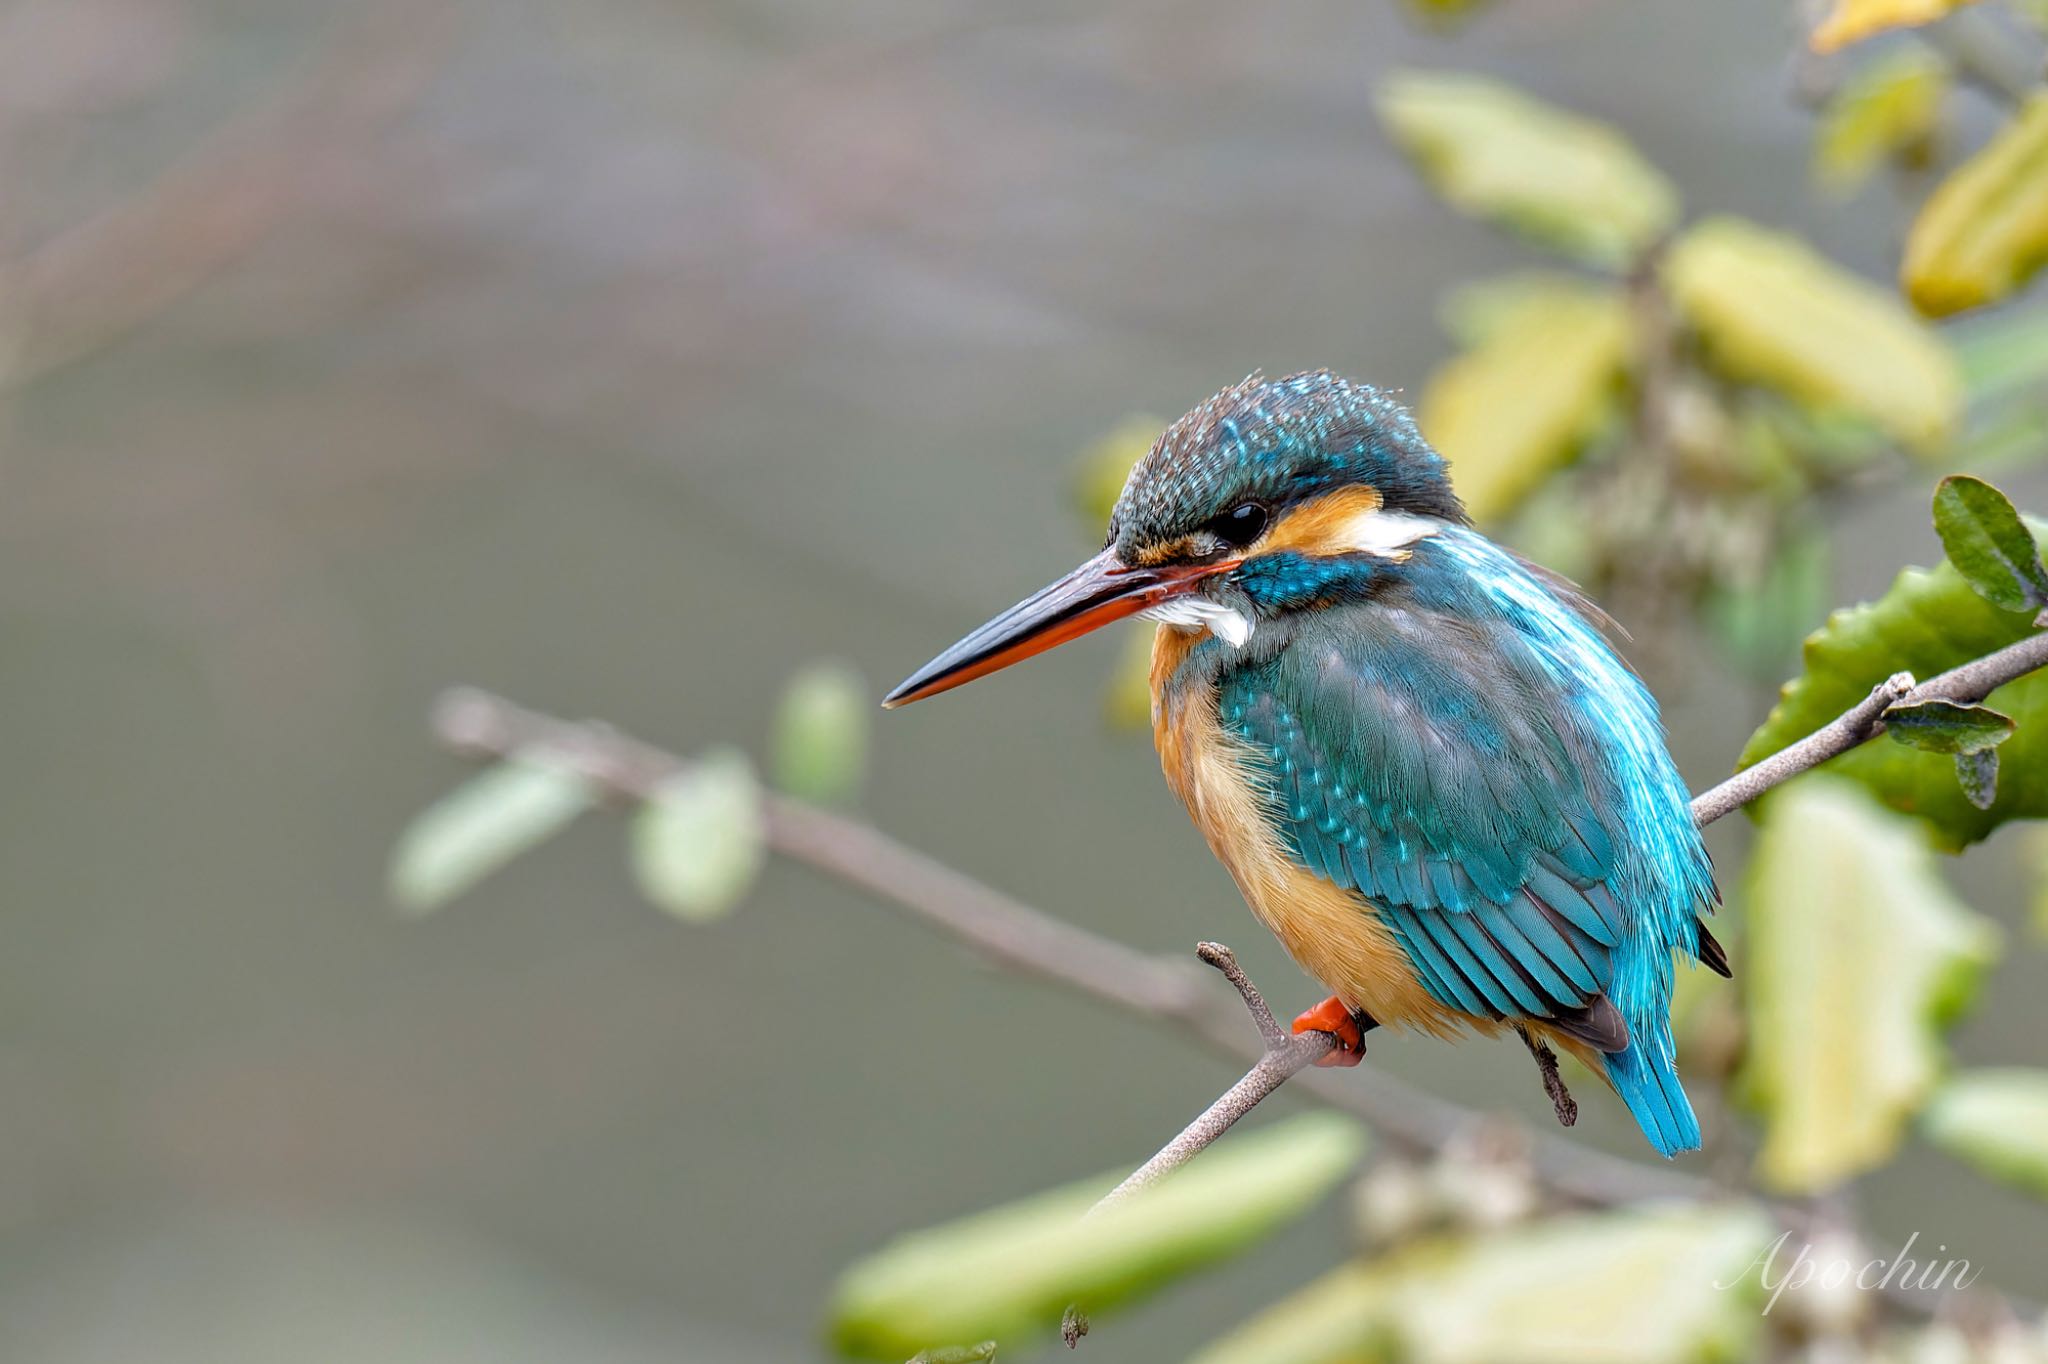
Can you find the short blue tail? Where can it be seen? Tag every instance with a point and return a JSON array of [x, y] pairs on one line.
[[1647, 1079]]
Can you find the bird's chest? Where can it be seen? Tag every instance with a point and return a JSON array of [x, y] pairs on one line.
[[1209, 769], [1336, 936]]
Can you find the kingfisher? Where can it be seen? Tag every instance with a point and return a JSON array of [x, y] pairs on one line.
[[1415, 752]]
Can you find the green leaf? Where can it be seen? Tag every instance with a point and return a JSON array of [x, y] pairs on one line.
[[821, 733], [1851, 21], [1858, 954], [481, 825], [1947, 726], [1984, 232], [1928, 622], [1998, 1121], [1103, 468], [1009, 1273], [1989, 544], [1564, 181], [1891, 108], [698, 844], [1772, 311], [1655, 1275], [1518, 407], [1977, 774]]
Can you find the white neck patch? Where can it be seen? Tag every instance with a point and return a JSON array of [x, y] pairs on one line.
[[1231, 626], [1386, 533]]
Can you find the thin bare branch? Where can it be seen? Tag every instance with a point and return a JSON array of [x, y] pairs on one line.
[[1286, 1054]]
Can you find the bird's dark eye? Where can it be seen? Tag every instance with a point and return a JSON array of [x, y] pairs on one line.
[[1239, 526]]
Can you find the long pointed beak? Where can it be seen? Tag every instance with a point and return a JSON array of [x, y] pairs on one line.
[[1098, 592]]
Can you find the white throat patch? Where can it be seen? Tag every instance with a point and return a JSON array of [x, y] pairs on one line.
[[1199, 613]]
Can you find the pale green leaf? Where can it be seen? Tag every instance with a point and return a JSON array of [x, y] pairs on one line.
[[698, 843], [1772, 311], [1565, 181], [481, 825], [1646, 1287], [1010, 1272], [1891, 108], [1103, 468], [1858, 954], [1984, 232], [1850, 21], [1512, 411], [1928, 622], [1977, 774], [1984, 538], [1998, 1121], [821, 733]]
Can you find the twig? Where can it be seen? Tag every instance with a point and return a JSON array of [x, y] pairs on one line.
[[1973, 681], [1284, 1056]]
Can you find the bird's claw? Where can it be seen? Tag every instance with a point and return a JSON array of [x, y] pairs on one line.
[[1336, 1018]]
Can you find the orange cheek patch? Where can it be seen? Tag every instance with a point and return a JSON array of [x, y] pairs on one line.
[[1324, 526]]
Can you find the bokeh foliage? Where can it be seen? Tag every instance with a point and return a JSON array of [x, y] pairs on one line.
[[1671, 409]]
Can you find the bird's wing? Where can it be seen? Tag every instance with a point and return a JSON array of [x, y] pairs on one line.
[[1436, 770]]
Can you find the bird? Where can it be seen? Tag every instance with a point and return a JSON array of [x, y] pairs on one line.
[[1417, 754]]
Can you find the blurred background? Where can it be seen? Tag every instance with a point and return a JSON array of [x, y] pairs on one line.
[[624, 356]]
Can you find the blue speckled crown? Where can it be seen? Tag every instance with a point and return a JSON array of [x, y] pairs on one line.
[[1279, 441]]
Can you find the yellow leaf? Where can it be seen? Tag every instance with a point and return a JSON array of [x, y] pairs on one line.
[[1566, 181], [1646, 1289], [1773, 311], [1985, 230], [1851, 21], [1890, 108], [1858, 954], [1511, 411]]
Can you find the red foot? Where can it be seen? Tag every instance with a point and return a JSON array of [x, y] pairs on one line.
[[1335, 1018]]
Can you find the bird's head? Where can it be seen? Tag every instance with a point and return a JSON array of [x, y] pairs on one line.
[[1275, 496]]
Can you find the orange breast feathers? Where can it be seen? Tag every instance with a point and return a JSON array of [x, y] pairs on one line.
[[1334, 934]]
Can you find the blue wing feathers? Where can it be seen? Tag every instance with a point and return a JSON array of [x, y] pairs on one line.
[[1478, 765]]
